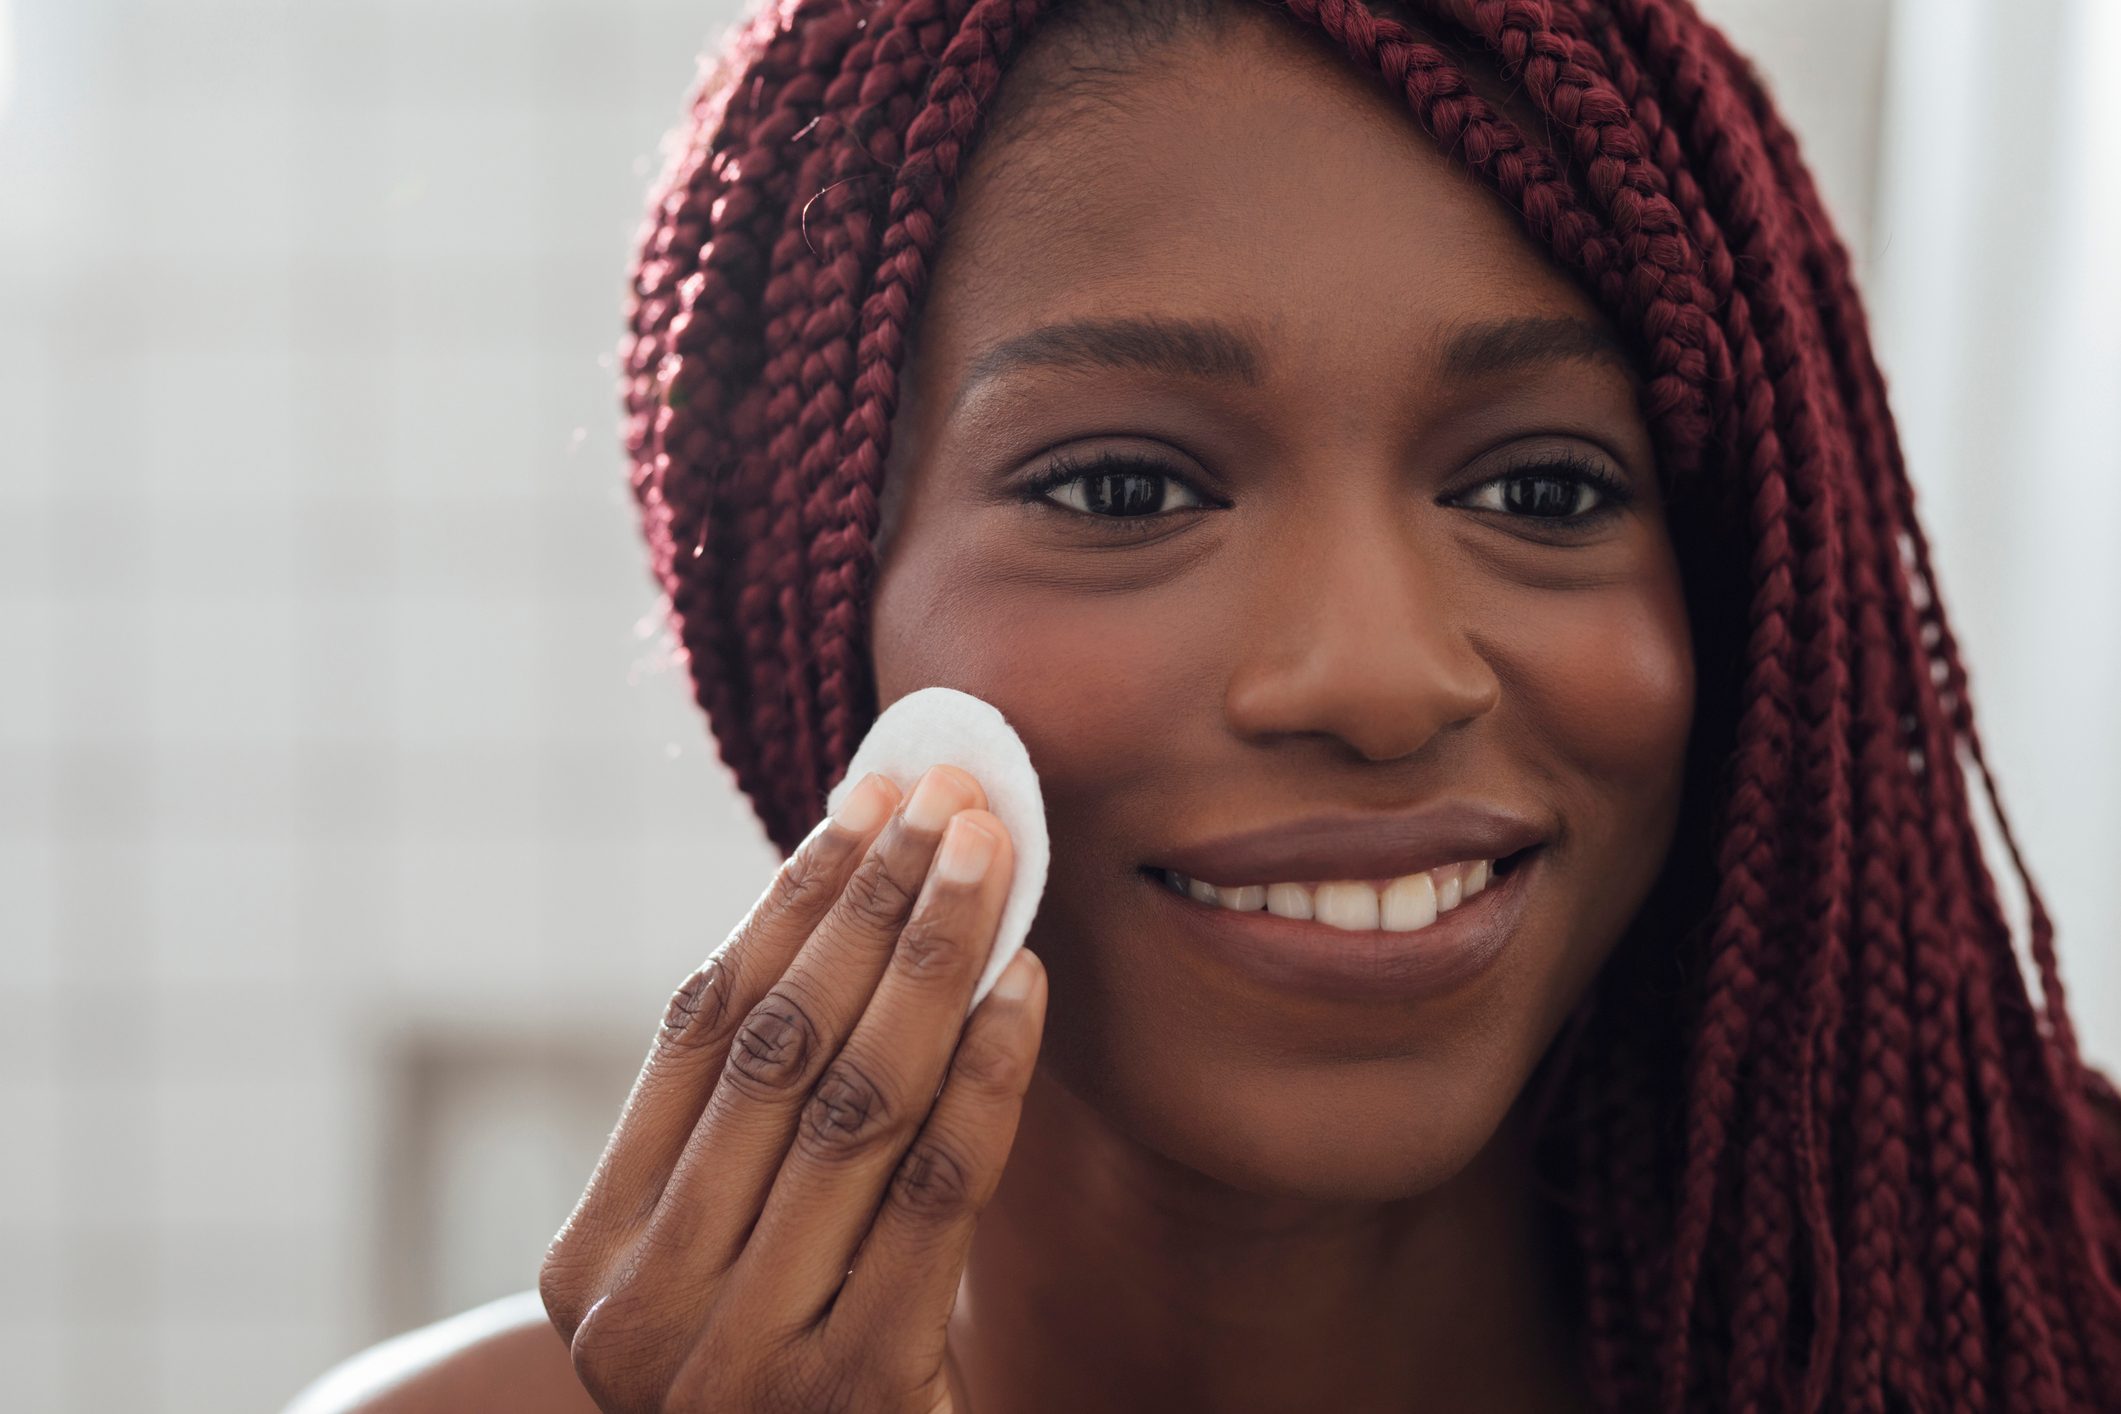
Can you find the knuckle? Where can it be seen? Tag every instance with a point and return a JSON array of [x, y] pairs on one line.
[[772, 1049], [805, 877], [933, 1180], [847, 1114], [622, 1357], [699, 1007], [989, 1064], [560, 1288], [875, 894], [929, 949]]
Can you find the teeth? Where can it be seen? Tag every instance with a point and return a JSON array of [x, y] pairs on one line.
[[1290, 901], [1352, 906], [1409, 902]]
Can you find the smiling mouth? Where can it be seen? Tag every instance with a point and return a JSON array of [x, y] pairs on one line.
[[1408, 904]]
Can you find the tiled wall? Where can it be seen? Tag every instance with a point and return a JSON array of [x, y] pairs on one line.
[[332, 765], [350, 838]]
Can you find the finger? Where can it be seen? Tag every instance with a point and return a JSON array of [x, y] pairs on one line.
[[785, 1042], [879, 1090], [701, 1018], [907, 1270]]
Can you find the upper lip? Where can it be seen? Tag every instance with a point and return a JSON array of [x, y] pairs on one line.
[[1370, 845]]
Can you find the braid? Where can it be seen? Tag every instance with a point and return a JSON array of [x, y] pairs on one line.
[[1842, 1160]]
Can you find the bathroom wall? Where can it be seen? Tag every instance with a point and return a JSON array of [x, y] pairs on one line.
[[351, 831]]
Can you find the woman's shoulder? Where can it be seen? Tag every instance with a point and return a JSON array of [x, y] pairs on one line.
[[504, 1355]]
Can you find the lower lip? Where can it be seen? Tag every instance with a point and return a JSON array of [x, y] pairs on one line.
[[1371, 964]]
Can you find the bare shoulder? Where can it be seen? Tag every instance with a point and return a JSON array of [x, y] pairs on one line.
[[504, 1355]]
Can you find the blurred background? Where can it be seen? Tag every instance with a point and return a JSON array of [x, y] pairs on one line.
[[353, 830]]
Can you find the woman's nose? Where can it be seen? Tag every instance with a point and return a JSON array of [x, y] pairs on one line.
[[1353, 633]]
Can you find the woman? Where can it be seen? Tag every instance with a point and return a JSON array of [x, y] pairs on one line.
[[1343, 441]]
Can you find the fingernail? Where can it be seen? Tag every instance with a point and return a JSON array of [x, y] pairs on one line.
[[966, 849], [932, 798], [866, 805], [1015, 982]]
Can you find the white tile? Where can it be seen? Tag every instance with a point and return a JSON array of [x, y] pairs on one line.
[[476, 790], [218, 55], [32, 1180], [29, 913], [102, 921], [467, 671], [706, 887], [348, 791], [252, 1148], [94, 655], [98, 546], [469, 422], [342, 392], [109, 1270], [209, 1030], [219, 671], [31, 1052], [590, 894], [211, 417], [221, 789], [462, 175], [225, 909], [27, 571], [589, 547], [252, 1272], [215, 178], [353, 909], [27, 777], [30, 385], [345, 669], [31, 1352], [471, 913], [208, 1363], [463, 59], [346, 547], [108, 1364], [219, 547], [473, 548], [611, 676], [107, 1149]]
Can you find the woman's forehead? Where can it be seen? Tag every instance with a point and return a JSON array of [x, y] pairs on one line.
[[1245, 180]]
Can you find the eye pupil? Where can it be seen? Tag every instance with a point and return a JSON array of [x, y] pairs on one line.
[[1554, 497], [1141, 493]]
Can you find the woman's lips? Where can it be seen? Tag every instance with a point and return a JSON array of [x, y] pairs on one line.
[[1372, 964]]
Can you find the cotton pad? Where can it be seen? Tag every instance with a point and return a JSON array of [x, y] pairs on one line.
[[940, 726]]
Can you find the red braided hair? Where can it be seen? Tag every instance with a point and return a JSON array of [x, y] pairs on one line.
[[1809, 1141]]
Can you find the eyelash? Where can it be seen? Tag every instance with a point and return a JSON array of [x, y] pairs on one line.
[[1569, 467]]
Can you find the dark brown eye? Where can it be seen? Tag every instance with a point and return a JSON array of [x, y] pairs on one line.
[[1565, 491], [1542, 495], [1110, 486]]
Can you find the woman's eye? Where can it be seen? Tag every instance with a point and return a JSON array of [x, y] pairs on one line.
[[1112, 487], [1569, 492]]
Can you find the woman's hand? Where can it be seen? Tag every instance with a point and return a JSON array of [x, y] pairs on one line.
[[808, 1108]]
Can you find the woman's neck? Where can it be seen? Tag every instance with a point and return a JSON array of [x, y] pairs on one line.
[[1105, 1276]]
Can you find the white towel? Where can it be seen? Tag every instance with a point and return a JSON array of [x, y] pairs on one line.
[[942, 726]]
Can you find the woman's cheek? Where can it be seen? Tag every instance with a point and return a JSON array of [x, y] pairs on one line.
[[1091, 681], [1610, 689]]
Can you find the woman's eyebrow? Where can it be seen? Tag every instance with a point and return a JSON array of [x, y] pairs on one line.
[[1511, 345], [1204, 348], [1214, 349]]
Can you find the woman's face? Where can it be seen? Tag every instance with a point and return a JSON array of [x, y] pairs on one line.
[[1315, 587]]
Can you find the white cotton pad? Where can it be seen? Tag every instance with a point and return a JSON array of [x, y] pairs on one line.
[[942, 726]]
